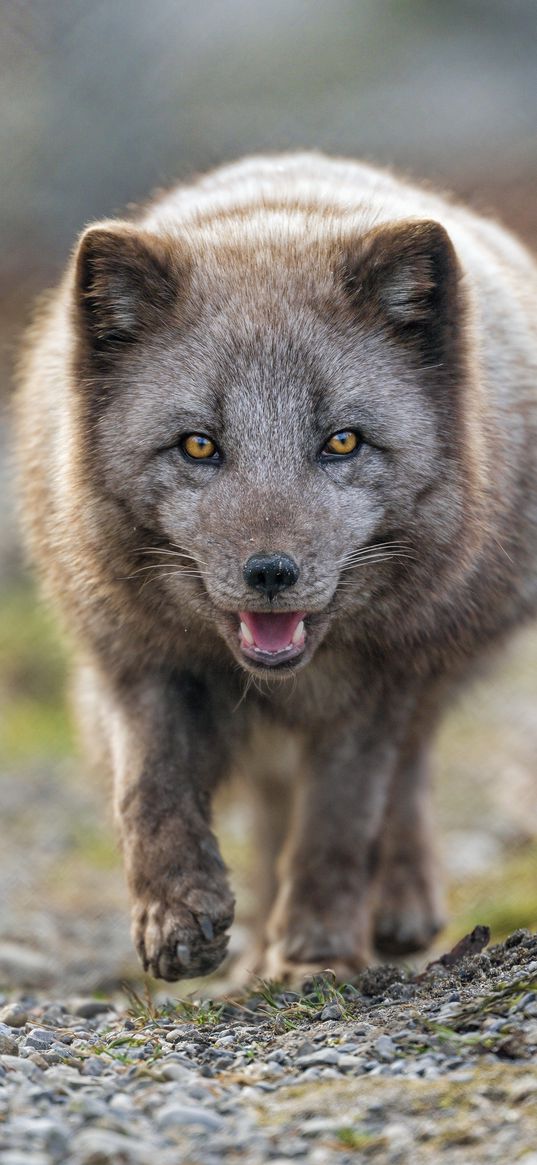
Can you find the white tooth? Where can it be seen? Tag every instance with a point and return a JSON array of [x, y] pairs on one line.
[[247, 634], [298, 633]]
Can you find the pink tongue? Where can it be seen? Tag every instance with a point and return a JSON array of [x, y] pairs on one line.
[[272, 632]]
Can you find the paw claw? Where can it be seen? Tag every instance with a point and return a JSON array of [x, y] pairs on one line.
[[206, 927], [182, 953]]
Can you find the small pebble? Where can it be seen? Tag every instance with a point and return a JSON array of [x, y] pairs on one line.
[[385, 1048], [179, 1115], [8, 1044], [14, 1015], [321, 1056], [331, 1011], [40, 1039]]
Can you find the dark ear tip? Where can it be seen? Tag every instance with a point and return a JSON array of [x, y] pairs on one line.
[[99, 242], [430, 229], [434, 236], [424, 236]]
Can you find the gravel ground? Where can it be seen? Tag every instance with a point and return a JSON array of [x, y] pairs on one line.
[[397, 1067]]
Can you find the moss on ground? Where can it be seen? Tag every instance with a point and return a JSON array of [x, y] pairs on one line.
[[445, 1114]]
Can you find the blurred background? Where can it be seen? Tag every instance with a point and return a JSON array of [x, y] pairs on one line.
[[102, 103]]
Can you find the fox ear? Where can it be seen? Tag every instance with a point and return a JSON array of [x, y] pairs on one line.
[[124, 284], [408, 273]]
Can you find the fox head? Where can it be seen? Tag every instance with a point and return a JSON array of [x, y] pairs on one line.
[[273, 406]]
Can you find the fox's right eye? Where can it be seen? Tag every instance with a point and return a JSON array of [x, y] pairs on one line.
[[199, 447], [341, 444]]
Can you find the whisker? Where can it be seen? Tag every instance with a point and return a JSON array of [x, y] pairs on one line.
[[257, 683], [375, 558], [247, 686], [372, 553], [164, 550], [178, 573], [162, 575], [386, 542], [294, 681], [175, 553], [177, 546], [168, 574], [163, 566], [179, 568], [364, 551]]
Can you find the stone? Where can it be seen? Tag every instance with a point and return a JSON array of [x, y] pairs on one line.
[[18, 1157], [88, 1008], [53, 1137], [307, 1048], [222, 1062], [15, 1015], [398, 1136], [321, 1056], [179, 1115], [331, 1011], [8, 1045], [55, 1015], [385, 1048], [62, 1076], [271, 1069], [24, 1067], [281, 1160], [278, 1056], [93, 1066], [121, 1102], [349, 1063], [313, 1126], [177, 1034], [106, 1147], [174, 1071], [40, 1038], [311, 1074], [365, 1029], [178, 1058], [90, 1108]]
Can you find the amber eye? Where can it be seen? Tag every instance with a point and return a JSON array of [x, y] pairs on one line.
[[341, 444], [199, 447]]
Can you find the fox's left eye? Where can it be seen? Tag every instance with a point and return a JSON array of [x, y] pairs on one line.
[[199, 447], [341, 444]]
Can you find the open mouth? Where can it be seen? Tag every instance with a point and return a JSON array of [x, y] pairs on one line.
[[272, 639]]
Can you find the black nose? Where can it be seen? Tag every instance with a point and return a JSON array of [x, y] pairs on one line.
[[270, 573]]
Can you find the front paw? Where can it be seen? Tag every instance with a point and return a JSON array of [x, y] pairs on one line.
[[180, 929], [302, 944], [409, 910], [278, 967]]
